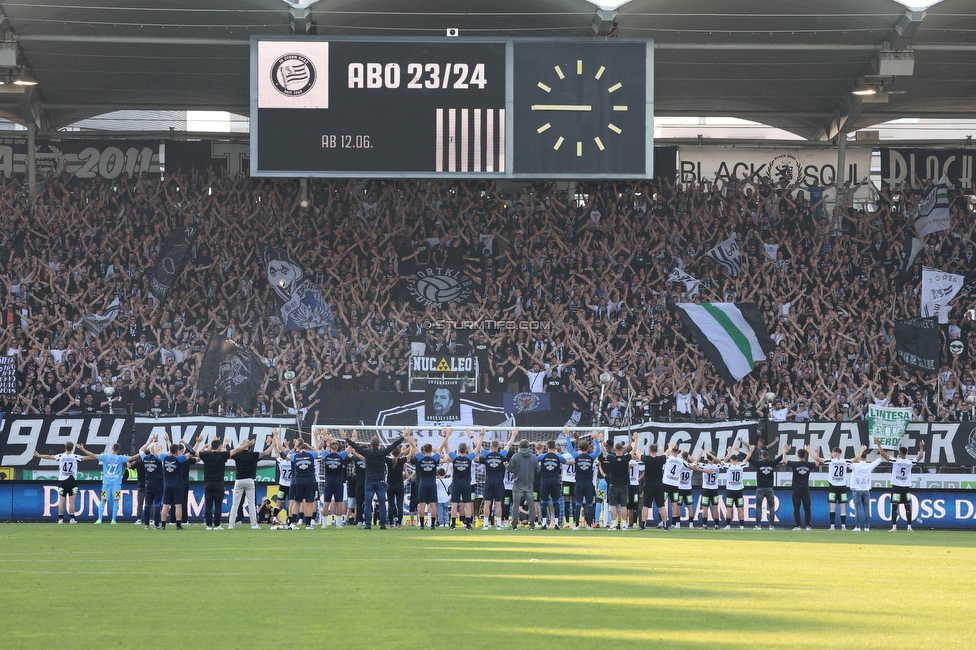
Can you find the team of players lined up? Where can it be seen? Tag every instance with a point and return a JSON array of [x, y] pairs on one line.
[[329, 479]]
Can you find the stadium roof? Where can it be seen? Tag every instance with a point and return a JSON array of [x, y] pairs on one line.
[[787, 63]]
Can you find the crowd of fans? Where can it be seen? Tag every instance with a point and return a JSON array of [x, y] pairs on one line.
[[588, 268]]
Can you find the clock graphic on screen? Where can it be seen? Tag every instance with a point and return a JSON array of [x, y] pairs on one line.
[[581, 111]]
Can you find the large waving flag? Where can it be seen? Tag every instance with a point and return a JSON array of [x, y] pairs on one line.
[[727, 254], [933, 210], [95, 324], [938, 288], [732, 335], [173, 255]]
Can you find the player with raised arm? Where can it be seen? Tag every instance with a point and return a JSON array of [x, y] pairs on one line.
[[710, 497], [285, 477], [800, 485], [584, 461], [734, 488], [550, 473], [67, 479], [426, 482], [173, 482], [153, 467], [334, 468], [113, 466], [375, 459], [654, 496], [616, 467], [303, 477], [568, 483], [765, 479], [686, 496], [901, 481], [395, 469], [494, 490], [838, 470], [462, 464], [671, 480]]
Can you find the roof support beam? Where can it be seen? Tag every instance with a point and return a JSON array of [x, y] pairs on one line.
[[850, 107]]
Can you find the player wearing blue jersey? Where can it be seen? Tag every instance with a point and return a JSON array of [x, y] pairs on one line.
[[334, 468], [113, 466], [462, 466], [494, 491], [550, 474], [585, 461], [425, 488], [302, 490], [173, 483]]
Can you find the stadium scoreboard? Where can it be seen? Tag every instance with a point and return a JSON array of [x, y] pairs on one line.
[[451, 108]]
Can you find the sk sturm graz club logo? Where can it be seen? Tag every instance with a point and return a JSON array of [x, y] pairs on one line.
[[784, 167], [293, 75], [50, 162], [526, 401], [438, 286]]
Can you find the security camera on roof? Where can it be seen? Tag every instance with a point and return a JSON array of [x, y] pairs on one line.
[[453, 32]]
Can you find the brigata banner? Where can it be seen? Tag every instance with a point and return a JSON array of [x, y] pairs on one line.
[[692, 437], [888, 424]]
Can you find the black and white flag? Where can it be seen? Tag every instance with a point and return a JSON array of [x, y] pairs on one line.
[[300, 301], [8, 375], [232, 371], [172, 258], [933, 210], [938, 289], [95, 324], [727, 254], [680, 275], [910, 250], [917, 343]]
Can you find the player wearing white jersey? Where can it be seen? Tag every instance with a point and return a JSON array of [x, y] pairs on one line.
[[838, 471], [685, 494], [568, 481], [734, 497], [901, 481], [709, 498], [67, 479]]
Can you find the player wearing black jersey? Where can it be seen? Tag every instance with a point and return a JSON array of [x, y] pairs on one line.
[[800, 486], [654, 485], [494, 491], [395, 467]]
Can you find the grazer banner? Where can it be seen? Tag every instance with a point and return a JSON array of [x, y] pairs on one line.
[[692, 437], [900, 165], [106, 159], [946, 443], [803, 165]]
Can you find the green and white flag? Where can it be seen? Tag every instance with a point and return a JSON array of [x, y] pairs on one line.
[[732, 335], [888, 424]]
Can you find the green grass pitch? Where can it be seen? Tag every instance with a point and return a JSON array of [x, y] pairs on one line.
[[85, 586]]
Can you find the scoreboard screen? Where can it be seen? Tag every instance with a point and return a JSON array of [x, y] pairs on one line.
[[451, 108]]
